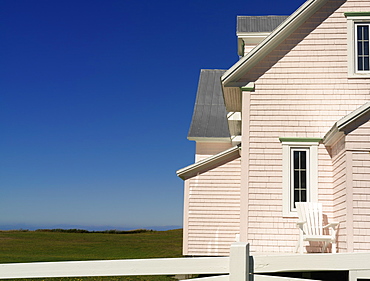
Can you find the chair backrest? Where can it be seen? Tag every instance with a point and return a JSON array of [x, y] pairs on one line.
[[311, 213]]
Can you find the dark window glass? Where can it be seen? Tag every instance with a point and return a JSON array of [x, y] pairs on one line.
[[299, 180], [360, 64], [359, 32], [359, 48], [366, 48], [303, 180], [362, 48], [303, 159], [303, 196]]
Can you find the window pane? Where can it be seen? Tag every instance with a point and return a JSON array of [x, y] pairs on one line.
[[360, 64], [296, 179], [296, 159], [303, 196], [359, 32], [366, 63], [296, 197], [299, 174], [303, 179], [303, 159], [360, 48], [366, 48]]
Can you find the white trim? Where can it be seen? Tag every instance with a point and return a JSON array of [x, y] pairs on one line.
[[351, 49], [362, 110], [234, 116], [236, 140], [250, 39], [313, 174], [354, 275], [192, 170], [336, 132], [271, 41]]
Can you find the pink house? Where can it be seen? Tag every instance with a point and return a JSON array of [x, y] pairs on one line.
[[289, 122]]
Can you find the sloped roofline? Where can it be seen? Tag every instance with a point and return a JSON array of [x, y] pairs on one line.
[[211, 161], [340, 126], [270, 42]]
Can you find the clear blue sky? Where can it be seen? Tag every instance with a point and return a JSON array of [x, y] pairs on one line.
[[96, 100]]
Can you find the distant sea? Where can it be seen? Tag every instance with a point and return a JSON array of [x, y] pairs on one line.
[[89, 228]]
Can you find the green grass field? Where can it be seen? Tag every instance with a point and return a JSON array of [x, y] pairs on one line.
[[32, 246]]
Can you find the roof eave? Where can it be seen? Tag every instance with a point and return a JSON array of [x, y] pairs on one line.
[[339, 128], [271, 41], [195, 168], [209, 139]]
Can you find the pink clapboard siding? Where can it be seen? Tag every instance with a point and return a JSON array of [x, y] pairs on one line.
[[338, 155], [358, 144], [212, 202], [301, 89], [206, 149]]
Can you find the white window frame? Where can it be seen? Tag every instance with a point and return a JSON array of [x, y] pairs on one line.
[[312, 177], [354, 19]]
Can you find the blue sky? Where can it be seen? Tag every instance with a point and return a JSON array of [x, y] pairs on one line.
[[96, 102]]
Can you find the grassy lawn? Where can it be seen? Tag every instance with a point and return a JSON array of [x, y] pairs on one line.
[[31, 246]]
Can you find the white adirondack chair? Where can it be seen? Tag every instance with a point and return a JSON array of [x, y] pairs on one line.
[[311, 227]]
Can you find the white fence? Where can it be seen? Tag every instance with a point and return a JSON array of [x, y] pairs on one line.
[[233, 268]]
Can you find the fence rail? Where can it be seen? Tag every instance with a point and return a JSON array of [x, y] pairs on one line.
[[233, 268], [116, 268]]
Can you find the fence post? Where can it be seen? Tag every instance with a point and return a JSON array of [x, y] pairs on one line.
[[239, 262]]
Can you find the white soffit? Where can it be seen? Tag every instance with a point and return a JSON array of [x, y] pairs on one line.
[[193, 169], [271, 41]]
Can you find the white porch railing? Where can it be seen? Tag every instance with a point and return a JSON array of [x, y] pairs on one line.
[[233, 268]]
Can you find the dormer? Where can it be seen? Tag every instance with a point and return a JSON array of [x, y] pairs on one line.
[[251, 30]]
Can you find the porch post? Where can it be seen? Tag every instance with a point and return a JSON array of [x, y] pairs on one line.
[[239, 262]]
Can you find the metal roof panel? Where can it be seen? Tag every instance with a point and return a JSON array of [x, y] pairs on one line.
[[209, 115], [258, 23]]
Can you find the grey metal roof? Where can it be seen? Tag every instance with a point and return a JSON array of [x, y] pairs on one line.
[[209, 115], [258, 23]]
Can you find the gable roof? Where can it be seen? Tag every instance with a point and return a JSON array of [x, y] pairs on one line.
[[209, 116], [289, 25], [258, 23], [347, 124]]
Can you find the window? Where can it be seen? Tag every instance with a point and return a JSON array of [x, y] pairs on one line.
[[300, 166], [362, 47], [358, 30], [299, 170]]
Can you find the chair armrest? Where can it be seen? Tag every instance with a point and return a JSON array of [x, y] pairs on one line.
[[300, 224], [332, 225]]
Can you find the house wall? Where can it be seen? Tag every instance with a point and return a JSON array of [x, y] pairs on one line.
[[338, 155], [358, 143], [206, 149], [301, 89], [212, 208]]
